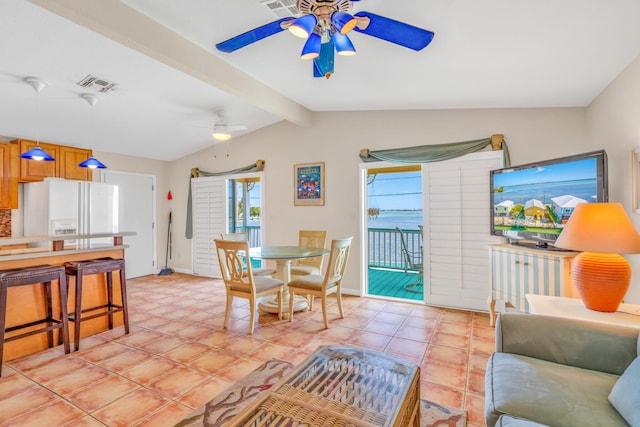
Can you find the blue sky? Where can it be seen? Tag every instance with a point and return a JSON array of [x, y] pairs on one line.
[[581, 169], [396, 191], [388, 192], [255, 194]]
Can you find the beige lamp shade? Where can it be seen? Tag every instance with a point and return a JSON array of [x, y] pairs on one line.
[[602, 231], [600, 227]]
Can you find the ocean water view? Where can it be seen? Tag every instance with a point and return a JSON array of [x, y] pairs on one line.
[[405, 219]]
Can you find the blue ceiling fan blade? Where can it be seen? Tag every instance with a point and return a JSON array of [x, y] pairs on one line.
[[394, 31], [323, 64], [252, 36]]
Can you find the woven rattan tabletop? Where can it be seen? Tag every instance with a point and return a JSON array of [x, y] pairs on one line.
[[341, 386]]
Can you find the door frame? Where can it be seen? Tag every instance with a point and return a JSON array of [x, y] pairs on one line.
[[364, 233], [154, 213]]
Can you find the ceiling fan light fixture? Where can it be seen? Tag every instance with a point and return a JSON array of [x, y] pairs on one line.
[[343, 22], [311, 49], [92, 163], [303, 27], [343, 45], [221, 133]]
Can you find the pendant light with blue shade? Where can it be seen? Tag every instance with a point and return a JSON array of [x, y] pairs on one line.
[[37, 153], [91, 162]]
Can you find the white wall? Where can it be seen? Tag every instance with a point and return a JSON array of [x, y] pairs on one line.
[[614, 123], [336, 139]]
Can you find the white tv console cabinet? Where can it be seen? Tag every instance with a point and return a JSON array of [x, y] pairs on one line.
[[520, 270]]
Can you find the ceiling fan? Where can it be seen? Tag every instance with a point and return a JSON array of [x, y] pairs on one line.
[[222, 130], [325, 25]]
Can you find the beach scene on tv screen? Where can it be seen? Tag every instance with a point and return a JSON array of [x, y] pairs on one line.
[[541, 199]]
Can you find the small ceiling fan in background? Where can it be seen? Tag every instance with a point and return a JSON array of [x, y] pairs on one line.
[[222, 130], [325, 25]]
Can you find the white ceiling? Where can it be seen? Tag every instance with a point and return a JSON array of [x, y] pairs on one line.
[[485, 54]]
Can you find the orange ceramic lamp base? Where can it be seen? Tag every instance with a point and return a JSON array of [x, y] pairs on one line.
[[602, 279]]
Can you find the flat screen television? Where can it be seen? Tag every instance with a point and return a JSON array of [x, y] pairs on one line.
[[531, 203]]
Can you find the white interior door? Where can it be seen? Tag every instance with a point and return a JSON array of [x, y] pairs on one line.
[[136, 212]]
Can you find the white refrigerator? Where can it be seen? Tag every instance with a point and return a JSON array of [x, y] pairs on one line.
[[57, 206]]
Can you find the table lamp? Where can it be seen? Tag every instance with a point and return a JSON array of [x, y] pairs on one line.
[[602, 231]]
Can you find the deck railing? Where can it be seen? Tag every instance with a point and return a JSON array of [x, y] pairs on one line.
[[253, 232], [385, 247]]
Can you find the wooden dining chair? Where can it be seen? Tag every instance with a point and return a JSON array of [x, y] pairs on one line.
[[306, 266], [241, 284], [244, 237], [240, 236], [324, 285]]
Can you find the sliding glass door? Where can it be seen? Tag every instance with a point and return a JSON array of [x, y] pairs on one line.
[[449, 245]]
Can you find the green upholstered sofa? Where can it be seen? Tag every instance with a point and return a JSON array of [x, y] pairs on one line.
[[558, 372]]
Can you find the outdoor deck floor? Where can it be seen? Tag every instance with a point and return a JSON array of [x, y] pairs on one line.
[[390, 283]]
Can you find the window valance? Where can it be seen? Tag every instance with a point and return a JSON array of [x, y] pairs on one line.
[[258, 166], [437, 152]]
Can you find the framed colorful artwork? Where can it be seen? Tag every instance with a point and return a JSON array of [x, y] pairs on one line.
[[308, 184]]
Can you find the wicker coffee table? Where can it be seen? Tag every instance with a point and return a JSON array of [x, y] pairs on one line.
[[341, 386]]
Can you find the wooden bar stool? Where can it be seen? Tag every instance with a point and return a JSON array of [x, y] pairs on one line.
[[80, 269], [31, 276]]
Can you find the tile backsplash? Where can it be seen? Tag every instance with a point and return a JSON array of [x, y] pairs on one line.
[[5, 222]]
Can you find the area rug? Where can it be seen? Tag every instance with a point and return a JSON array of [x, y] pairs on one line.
[[218, 411]]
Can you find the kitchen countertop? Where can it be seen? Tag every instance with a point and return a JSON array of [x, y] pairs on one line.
[[37, 239], [82, 244]]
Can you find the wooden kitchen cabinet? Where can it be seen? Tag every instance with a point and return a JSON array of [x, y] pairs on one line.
[[31, 170], [65, 164], [9, 167], [69, 159]]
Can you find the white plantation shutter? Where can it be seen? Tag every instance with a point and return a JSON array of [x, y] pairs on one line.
[[209, 221], [456, 230]]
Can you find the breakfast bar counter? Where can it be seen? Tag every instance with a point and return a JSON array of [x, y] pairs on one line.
[[26, 303]]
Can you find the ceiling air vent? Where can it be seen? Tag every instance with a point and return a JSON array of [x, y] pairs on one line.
[[281, 8], [97, 84]]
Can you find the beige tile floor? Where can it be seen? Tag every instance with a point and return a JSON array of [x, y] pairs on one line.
[[178, 356]]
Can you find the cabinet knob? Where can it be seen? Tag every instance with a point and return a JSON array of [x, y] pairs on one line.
[[523, 263]]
